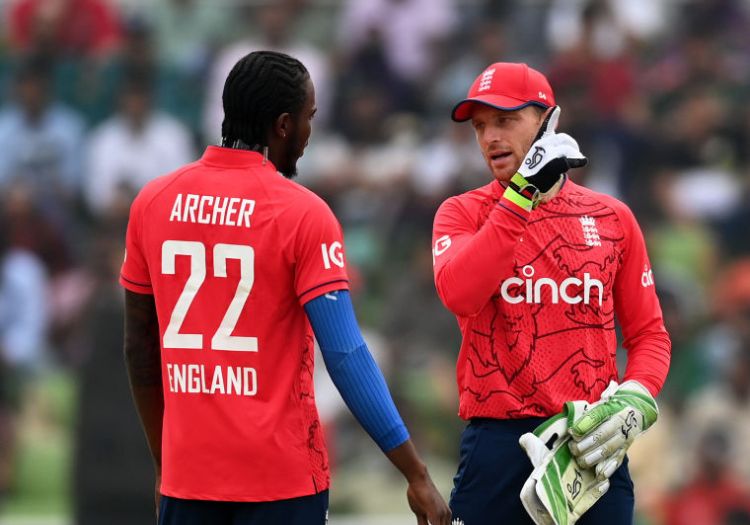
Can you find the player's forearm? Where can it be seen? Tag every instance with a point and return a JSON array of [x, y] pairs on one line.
[[649, 356], [149, 403], [467, 281], [353, 369], [143, 363], [407, 461], [362, 386]]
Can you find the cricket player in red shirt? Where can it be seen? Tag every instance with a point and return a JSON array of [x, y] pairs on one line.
[[538, 270], [230, 269]]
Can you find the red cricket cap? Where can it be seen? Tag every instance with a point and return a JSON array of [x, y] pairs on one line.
[[508, 86]]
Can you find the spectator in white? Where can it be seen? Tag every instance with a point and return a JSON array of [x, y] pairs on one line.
[[40, 139], [409, 29], [23, 327], [136, 145], [274, 20]]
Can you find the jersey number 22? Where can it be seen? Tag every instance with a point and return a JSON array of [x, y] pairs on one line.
[[222, 338]]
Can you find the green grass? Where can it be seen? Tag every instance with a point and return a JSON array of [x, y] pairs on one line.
[[43, 458]]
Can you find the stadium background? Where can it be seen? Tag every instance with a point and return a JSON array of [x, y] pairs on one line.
[[655, 91]]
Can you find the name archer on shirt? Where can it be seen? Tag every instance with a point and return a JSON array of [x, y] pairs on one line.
[[212, 209]]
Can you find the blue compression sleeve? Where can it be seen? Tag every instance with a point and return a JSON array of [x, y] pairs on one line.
[[353, 370]]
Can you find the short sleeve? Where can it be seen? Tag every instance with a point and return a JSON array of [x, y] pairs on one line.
[[134, 275], [320, 261]]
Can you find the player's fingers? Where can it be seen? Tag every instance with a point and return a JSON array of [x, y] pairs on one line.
[[598, 435], [605, 469], [550, 123], [442, 517], [589, 421], [577, 162], [605, 433], [602, 487], [603, 452]]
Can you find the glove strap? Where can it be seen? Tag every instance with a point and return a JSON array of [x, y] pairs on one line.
[[522, 192]]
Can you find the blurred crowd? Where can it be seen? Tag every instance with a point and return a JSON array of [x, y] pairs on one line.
[[97, 97]]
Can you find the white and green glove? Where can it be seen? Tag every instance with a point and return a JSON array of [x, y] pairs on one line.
[[602, 436], [542, 170], [558, 491]]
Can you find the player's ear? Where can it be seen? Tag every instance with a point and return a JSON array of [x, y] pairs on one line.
[[282, 126]]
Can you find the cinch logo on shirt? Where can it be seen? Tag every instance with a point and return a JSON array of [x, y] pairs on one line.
[[530, 290]]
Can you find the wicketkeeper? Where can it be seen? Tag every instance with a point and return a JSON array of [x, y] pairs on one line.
[[538, 271]]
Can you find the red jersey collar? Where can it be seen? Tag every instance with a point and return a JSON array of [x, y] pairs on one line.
[[233, 158]]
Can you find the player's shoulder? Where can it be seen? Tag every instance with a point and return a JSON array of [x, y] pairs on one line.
[[302, 200], [590, 196], [473, 198], [155, 187]]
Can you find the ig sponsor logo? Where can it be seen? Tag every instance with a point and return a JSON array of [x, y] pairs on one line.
[[332, 254]]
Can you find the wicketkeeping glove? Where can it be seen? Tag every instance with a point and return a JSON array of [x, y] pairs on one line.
[[558, 491], [602, 436], [542, 170]]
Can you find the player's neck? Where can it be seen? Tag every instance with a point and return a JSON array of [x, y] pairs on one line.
[[240, 144]]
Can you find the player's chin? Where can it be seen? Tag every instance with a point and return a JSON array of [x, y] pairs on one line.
[[502, 175]]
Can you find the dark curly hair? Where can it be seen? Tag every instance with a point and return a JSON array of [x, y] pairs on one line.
[[260, 87]]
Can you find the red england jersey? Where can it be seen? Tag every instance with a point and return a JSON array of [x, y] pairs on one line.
[[231, 250], [536, 296]]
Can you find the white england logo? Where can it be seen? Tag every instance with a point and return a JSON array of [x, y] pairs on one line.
[[486, 80], [590, 233], [457, 522], [542, 95]]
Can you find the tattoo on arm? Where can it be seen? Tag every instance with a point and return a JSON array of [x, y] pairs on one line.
[[142, 351]]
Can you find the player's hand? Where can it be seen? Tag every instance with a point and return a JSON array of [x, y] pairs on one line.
[[558, 491], [549, 158], [603, 435], [427, 503]]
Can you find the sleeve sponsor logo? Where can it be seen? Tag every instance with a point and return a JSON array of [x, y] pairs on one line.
[[441, 245], [647, 277], [332, 254]]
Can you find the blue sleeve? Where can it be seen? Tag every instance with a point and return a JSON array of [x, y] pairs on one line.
[[353, 370]]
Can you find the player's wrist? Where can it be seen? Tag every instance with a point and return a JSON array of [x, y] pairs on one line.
[[419, 474], [408, 462], [522, 193]]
